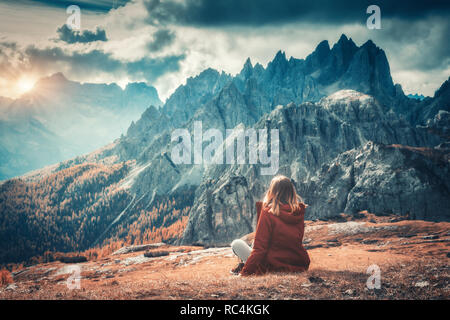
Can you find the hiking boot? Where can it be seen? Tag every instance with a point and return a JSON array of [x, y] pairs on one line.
[[238, 268]]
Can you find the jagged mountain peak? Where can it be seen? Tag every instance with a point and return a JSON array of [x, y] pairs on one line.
[[319, 58], [208, 75], [444, 89], [206, 78], [280, 56], [344, 40], [278, 60], [322, 47], [278, 64], [151, 111], [56, 77], [248, 63], [345, 46], [134, 89], [247, 69], [55, 80], [197, 91], [370, 45], [399, 90], [368, 71], [208, 72], [372, 49], [258, 65], [148, 119]]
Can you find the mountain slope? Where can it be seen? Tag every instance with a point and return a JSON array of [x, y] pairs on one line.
[[428, 108], [337, 100], [311, 136], [383, 179], [60, 119]]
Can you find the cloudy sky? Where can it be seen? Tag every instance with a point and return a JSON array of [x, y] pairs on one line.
[[162, 42]]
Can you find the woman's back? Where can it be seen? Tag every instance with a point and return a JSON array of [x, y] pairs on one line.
[[286, 247], [278, 242]]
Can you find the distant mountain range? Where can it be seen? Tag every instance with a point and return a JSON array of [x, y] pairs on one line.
[[59, 119], [349, 138], [416, 96]]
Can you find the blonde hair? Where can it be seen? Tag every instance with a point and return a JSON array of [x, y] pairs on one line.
[[281, 191]]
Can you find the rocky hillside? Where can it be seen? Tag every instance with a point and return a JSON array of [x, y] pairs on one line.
[[313, 139], [411, 256], [340, 118], [384, 179]]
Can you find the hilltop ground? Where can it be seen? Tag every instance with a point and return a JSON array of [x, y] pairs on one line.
[[412, 256]]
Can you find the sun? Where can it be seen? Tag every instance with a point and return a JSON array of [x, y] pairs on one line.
[[25, 84]]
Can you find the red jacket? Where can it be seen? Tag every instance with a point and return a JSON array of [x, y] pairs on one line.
[[278, 243]]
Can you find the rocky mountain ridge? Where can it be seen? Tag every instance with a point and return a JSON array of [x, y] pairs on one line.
[[337, 105], [311, 136]]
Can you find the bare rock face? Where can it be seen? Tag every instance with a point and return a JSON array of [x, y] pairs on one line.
[[137, 248], [383, 179], [348, 128], [369, 72], [221, 214], [197, 91], [429, 108], [439, 125]]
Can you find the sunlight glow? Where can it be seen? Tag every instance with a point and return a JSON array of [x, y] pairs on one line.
[[25, 84]]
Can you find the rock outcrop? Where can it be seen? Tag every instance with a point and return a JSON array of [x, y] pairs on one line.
[[311, 137], [383, 179]]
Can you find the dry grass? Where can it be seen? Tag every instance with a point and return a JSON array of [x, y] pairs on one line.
[[5, 277], [411, 268]]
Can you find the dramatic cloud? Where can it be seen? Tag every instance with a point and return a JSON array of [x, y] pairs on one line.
[[33, 63], [161, 38], [90, 63], [420, 44], [11, 62], [414, 33], [191, 35], [73, 36], [91, 5], [264, 12]]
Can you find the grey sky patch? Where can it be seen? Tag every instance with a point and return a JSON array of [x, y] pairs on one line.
[[263, 12], [161, 39], [420, 44], [89, 5], [153, 68], [73, 36]]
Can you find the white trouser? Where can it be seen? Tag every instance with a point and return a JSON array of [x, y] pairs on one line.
[[241, 249]]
